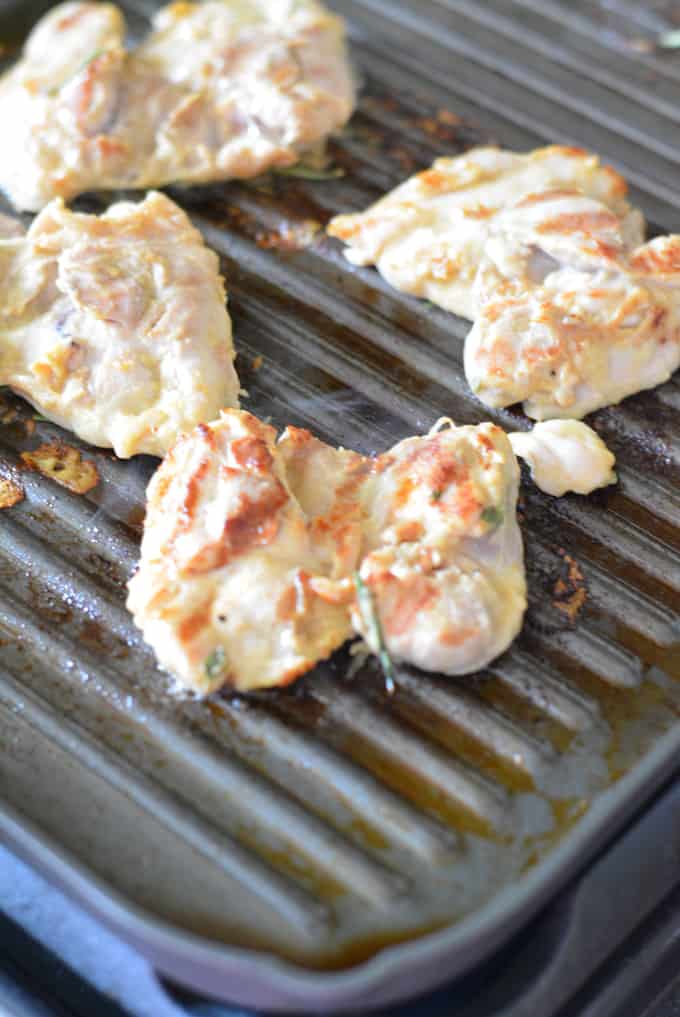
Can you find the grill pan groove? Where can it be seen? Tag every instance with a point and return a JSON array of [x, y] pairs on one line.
[[494, 15], [185, 823], [521, 64], [520, 129]]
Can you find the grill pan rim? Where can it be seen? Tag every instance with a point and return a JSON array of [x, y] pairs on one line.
[[396, 972], [262, 979]]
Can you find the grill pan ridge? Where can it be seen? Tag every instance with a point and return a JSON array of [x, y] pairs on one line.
[[331, 845]]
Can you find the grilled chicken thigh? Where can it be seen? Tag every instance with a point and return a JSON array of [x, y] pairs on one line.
[[260, 558], [571, 316], [224, 592], [427, 236], [219, 89], [115, 326], [442, 551]]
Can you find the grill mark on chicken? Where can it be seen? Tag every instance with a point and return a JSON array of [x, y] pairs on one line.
[[190, 626], [538, 197], [286, 606], [251, 454], [428, 235], [601, 323], [455, 637], [255, 525], [187, 509], [578, 222]]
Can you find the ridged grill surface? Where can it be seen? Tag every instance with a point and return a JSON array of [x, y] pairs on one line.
[[324, 821]]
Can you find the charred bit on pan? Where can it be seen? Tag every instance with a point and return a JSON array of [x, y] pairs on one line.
[[443, 125], [63, 464], [570, 591], [10, 493], [8, 415], [289, 236]]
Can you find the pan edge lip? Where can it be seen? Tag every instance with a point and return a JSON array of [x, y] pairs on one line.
[[469, 941], [418, 963]]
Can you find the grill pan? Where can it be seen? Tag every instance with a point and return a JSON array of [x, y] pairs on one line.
[[332, 845]]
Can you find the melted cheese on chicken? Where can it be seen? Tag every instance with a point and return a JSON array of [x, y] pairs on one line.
[[254, 553], [115, 326], [565, 455], [427, 236], [219, 89], [570, 317]]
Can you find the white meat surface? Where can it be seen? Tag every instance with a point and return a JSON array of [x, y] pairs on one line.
[[427, 236], [571, 315], [218, 90], [259, 557], [115, 326]]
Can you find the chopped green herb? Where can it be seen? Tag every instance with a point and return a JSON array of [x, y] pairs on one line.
[[436, 495], [493, 515], [305, 172], [216, 663], [370, 618], [81, 67]]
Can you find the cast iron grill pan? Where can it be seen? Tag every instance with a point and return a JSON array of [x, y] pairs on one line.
[[331, 844]]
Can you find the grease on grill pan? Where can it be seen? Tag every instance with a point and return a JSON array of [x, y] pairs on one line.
[[505, 763]]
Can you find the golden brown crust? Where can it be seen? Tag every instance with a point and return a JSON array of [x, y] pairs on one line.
[[578, 222], [539, 197], [11, 493]]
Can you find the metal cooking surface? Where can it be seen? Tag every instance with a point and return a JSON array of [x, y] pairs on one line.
[[325, 821]]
